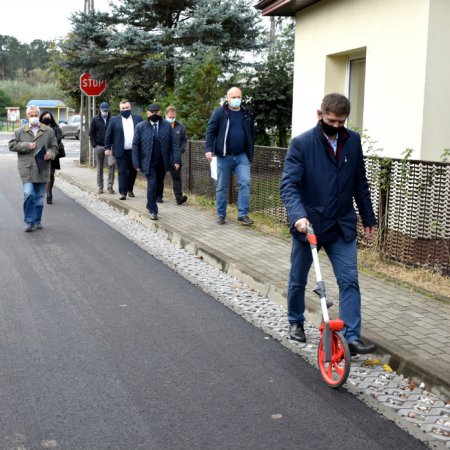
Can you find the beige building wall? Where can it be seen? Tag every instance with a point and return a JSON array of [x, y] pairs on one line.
[[436, 112], [407, 68]]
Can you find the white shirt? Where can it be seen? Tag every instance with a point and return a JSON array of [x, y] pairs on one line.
[[128, 132]]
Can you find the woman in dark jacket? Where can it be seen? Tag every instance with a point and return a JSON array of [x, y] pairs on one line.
[[47, 119]]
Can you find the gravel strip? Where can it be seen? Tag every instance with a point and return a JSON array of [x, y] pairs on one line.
[[410, 406]]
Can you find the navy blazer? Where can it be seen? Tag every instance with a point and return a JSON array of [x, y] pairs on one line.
[[114, 137], [321, 188], [143, 145]]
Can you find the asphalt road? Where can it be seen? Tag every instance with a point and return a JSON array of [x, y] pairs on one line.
[[103, 347]]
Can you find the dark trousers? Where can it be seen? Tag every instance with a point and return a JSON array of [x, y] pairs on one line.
[[127, 173], [343, 257], [176, 184], [155, 178]]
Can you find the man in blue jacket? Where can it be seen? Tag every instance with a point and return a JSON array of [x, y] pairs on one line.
[[155, 151], [230, 137], [323, 173], [118, 141]]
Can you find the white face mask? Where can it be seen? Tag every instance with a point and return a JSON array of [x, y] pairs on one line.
[[33, 120], [235, 102]]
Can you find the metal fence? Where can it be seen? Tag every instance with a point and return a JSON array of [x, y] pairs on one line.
[[411, 199]]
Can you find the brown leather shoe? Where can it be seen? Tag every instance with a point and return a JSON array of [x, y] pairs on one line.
[[130, 194]]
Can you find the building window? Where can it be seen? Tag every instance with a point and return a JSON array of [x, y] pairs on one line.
[[356, 81]]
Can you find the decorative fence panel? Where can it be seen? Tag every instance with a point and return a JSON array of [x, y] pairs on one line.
[[412, 199]]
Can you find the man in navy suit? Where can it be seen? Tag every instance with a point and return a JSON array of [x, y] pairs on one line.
[[155, 151], [323, 173], [118, 141]]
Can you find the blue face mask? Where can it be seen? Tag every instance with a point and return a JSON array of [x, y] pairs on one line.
[[235, 102], [125, 114], [170, 120]]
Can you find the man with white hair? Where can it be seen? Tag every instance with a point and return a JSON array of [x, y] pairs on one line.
[[35, 144]]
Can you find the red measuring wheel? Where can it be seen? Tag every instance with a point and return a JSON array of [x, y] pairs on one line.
[[334, 372]]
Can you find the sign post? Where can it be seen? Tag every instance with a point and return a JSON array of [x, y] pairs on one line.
[[90, 87]]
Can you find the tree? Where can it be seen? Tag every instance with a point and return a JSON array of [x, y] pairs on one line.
[[198, 94], [271, 90], [21, 59], [5, 101], [156, 37]]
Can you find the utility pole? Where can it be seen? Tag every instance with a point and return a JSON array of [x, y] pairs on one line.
[[85, 109]]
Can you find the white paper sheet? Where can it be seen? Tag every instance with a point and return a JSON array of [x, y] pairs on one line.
[[213, 165]]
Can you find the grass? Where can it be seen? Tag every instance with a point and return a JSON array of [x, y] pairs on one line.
[[421, 280]]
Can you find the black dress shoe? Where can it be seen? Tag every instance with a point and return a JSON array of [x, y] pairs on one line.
[[221, 220], [122, 197], [153, 216], [159, 200], [130, 194], [358, 347], [245, 220], [296, 332], [182, 200]]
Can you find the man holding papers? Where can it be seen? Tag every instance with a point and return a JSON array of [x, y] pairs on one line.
[[35, 144], [230, 137]]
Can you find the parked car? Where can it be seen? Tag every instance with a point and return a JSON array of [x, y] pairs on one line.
[[71, 128]]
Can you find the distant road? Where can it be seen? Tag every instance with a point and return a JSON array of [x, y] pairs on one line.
[[71, 145]]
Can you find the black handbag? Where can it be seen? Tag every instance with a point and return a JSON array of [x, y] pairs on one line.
[[61, 150]]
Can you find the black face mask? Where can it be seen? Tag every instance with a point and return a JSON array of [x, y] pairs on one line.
[[46, 121], [154, 118], [125, 114], [330, 130]]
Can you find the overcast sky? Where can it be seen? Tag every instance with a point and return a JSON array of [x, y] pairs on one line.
[[27, 20]]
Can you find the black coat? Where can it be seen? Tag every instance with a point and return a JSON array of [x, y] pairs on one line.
[[55, 164], [318, 186], [143, 146], [97, 130]]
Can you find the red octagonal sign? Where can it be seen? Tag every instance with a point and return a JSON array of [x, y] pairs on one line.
[[90, 86]]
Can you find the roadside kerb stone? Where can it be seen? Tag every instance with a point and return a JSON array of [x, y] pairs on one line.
[[368, 383]]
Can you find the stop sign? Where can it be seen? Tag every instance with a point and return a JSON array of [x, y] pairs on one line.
[[90, 86]]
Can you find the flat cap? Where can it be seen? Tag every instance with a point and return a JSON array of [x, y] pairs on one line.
[[153, 107]]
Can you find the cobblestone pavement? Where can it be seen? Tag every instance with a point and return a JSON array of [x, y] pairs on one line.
[[406, 401]]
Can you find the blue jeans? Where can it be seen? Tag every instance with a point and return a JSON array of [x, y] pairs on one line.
[[343, 257], [33, 201], [226, 165]]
